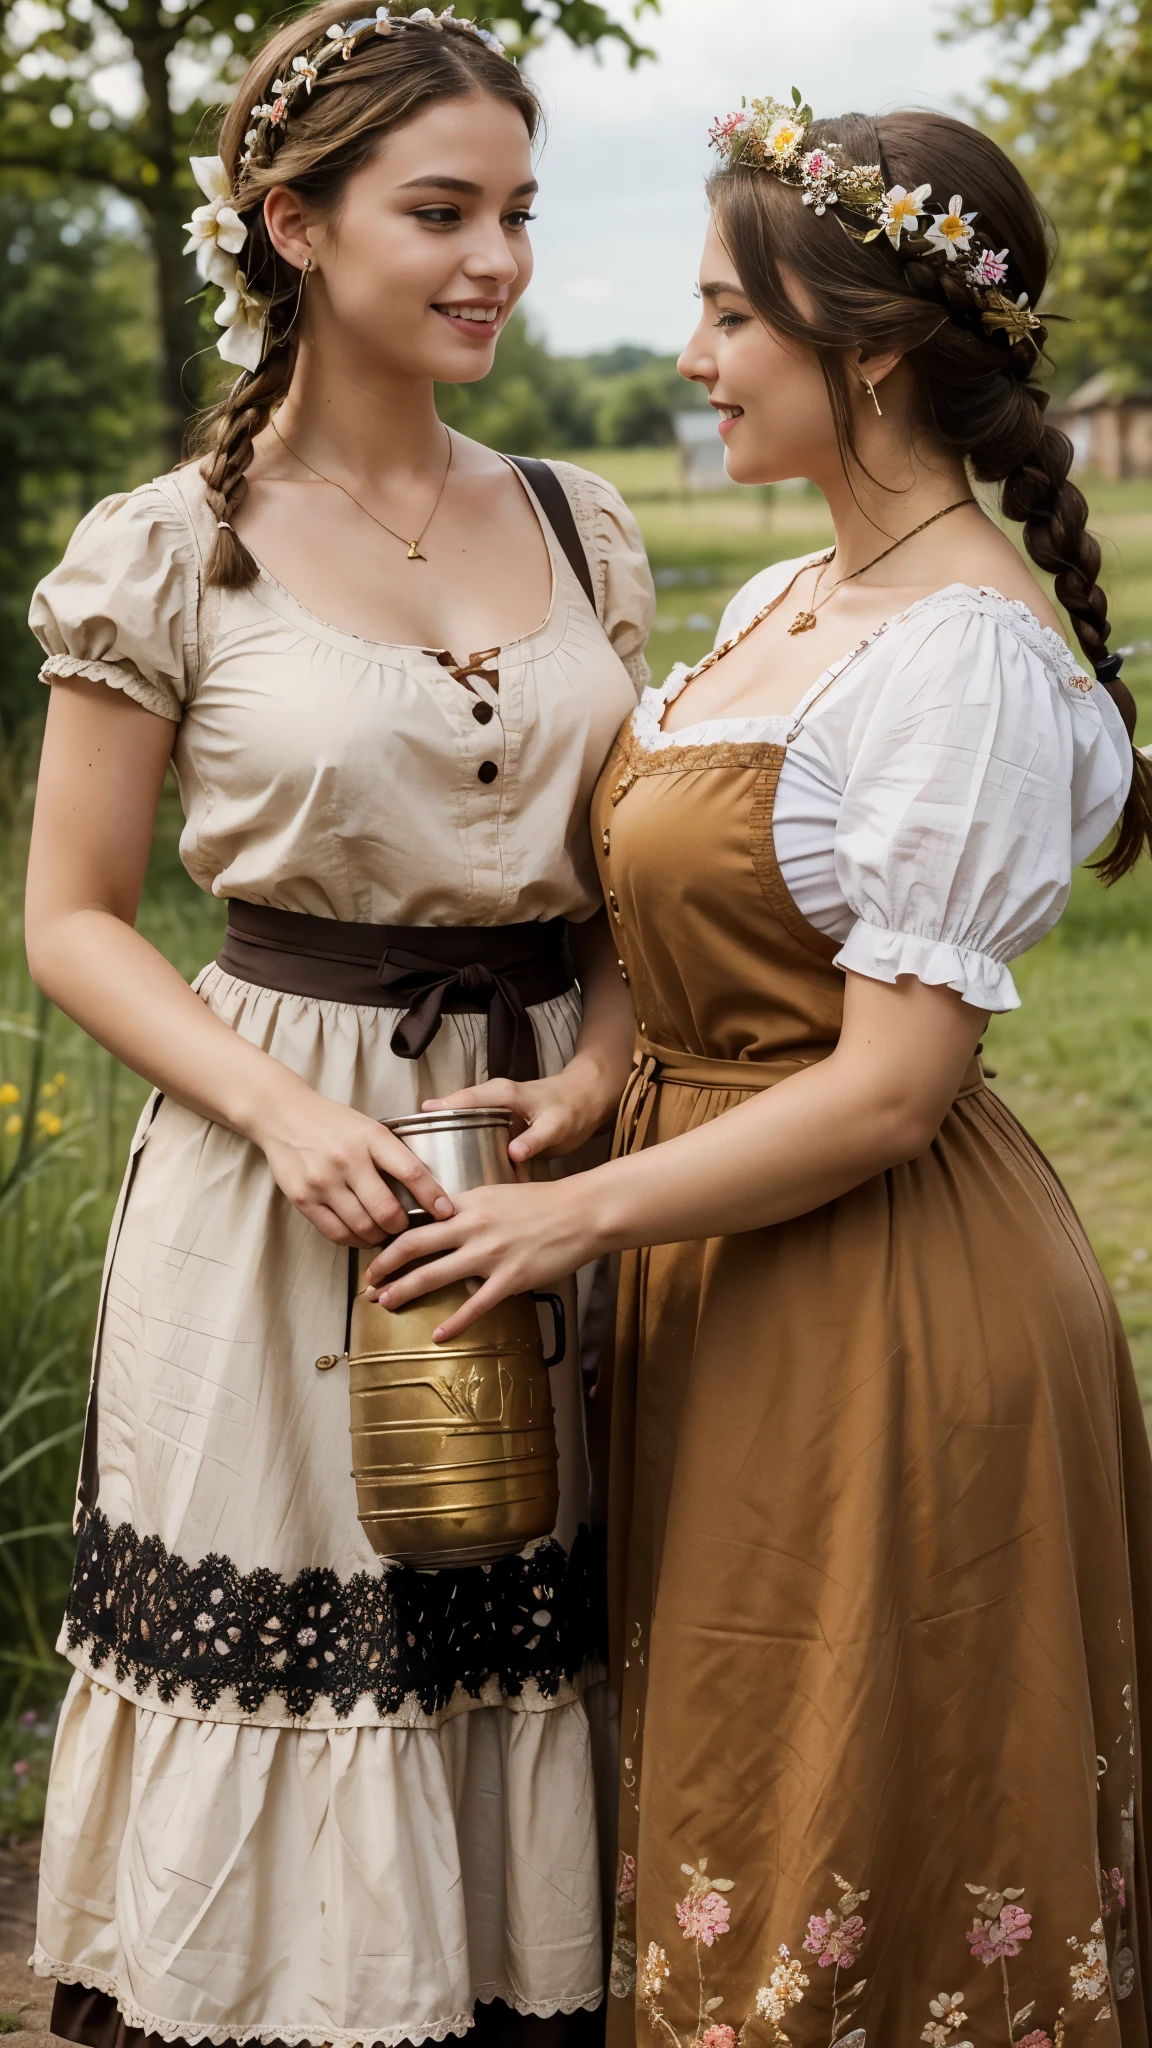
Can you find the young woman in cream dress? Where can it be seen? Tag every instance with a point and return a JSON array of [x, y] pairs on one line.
[[298, 1796], [881, 1488]]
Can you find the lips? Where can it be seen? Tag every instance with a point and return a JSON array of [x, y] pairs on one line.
[[729, 414], [476, 318]]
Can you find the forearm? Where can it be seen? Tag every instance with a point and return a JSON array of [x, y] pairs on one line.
[[101, 972], [790, 1149]]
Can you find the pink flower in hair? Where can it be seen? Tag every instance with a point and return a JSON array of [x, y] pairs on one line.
[[719, 2037]]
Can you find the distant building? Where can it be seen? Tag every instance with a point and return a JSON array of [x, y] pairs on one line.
[[701, 451], [1109, 426]]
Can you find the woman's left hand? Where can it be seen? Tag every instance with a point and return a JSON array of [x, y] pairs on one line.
[[511, 1238], [561, 1112]]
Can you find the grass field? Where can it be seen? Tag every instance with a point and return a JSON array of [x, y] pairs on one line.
[[1075, 1063]]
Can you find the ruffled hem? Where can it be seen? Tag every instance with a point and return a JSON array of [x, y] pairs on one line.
[[118, 676], [172, 1847], [296, 2037], [883, 956]]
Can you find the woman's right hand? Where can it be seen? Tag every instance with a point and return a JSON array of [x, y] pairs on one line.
[[329, 1161]]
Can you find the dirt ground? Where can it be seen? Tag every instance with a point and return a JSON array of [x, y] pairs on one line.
[[25, 2000]]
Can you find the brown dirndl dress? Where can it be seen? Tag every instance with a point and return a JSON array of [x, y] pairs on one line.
[[880, 1512]]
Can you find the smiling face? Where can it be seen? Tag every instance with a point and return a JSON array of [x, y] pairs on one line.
[[420, 265], [768, 390]]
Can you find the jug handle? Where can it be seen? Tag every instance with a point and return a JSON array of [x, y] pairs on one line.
[[560, 1326]]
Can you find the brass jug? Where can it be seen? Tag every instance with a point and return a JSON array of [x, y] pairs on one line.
[[453, 1445]]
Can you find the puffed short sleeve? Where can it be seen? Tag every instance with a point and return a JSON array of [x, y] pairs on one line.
[[625, 595], [121, 607], [984, 767]]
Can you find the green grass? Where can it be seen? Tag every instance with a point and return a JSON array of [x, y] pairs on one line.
[[1075, 1063]]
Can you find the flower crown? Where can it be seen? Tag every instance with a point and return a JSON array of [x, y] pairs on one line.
[[770, 136], [217, 232]]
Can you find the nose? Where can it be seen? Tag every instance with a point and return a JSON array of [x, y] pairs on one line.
[[697, 362], [491, 258]]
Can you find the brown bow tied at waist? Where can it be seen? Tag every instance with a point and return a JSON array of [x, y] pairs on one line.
[[429, 971]]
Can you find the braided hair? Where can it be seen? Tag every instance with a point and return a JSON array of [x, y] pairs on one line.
[[976, 388], [331, 134]]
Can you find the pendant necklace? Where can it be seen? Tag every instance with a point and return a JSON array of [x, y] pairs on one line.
[[413, 546], [805, 620]]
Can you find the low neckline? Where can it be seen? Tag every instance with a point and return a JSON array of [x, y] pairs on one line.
[[321, 628], [793, 719]]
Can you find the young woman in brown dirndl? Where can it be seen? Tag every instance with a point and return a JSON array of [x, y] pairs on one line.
[[299, 1795], [881, 1490]]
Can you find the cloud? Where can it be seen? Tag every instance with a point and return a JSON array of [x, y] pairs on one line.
[[622, 171]]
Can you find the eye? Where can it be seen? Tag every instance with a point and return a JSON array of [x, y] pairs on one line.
[[730, 320], [438, 216], [519, 219]]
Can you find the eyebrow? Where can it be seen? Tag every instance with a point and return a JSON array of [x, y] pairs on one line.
[[719, 291], [444, 184]]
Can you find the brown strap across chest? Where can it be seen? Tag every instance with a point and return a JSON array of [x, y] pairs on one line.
[[427, 971]]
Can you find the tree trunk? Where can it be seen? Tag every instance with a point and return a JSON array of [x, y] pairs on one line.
[[176, 280]]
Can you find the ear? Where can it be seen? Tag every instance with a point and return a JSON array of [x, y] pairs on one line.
[[290, 226], [875, 366]]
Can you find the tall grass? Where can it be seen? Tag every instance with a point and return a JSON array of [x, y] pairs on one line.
[[67, 1111]]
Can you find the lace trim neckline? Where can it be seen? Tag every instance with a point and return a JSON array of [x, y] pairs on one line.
[[1043, 641]]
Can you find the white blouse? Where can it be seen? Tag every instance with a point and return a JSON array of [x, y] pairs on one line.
[[940, 784]]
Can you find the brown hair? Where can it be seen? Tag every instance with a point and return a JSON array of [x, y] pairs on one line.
[[329, 135], [977, 390]]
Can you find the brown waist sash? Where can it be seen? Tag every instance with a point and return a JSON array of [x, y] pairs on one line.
[[424, 970]]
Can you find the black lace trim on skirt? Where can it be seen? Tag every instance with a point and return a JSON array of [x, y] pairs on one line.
[[395, 1635]]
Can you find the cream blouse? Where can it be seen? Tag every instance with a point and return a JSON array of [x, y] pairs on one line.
[[941, 781], [349, 778]]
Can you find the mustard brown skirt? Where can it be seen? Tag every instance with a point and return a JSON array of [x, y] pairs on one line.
[[881, 1514]]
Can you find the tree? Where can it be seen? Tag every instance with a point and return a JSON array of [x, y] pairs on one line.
[[76, 415], [529, 401], [182, 56], [1078, 119]]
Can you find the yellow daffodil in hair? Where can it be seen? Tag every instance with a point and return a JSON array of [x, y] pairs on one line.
[[902, 210], [952, 231], [215, 232]]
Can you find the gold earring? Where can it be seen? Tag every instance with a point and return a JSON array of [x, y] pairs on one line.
[[872, 395], [299, 296]]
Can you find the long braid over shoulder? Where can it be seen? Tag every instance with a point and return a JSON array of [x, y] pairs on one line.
[[975, 379], [333, 130]]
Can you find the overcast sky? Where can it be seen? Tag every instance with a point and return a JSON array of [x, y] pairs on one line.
[[621, 208]]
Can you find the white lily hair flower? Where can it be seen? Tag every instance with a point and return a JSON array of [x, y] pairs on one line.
[[216, 231], [902, 211], [952, 231], [306, 70], [243, 314]]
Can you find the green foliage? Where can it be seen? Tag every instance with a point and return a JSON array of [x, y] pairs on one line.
[[530, 400], [76, 414], [54, 118], [25, 1754], [636, 409], [1077, 96]]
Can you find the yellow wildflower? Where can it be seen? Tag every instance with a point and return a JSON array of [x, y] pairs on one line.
[[13, 1125], [49, 1090], [9, 1092], [48, 1123], [61, 1080]]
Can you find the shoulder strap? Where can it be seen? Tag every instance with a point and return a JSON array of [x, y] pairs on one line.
[[554, 501]]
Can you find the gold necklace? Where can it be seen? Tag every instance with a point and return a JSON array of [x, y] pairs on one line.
[[805, 620], [413, 546]]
